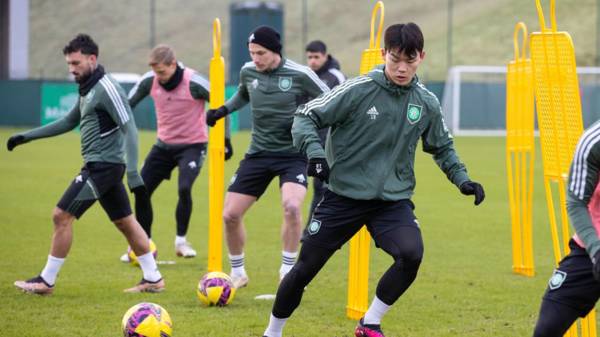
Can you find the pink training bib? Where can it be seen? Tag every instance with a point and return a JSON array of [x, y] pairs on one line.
[[594, 210], [180, 118]]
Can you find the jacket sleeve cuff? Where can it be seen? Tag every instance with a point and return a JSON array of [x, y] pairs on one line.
[[460, 178], [315, 150]]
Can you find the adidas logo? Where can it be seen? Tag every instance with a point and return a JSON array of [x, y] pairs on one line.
[[373, 113]]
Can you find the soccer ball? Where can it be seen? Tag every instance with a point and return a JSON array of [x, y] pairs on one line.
[[215, 288], [133, 258], [147, 320]]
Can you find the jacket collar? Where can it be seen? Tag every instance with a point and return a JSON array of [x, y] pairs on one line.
[[175, 79], [90, 81], [378, 75], [329, 64]]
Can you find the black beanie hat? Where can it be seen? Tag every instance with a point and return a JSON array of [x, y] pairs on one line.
[[266, 37]]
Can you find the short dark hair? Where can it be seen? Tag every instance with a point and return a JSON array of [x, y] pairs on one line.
[[407, 38], [316, 46], [82, 43]]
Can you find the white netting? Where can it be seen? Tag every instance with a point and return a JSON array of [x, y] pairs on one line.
[[474, 100]]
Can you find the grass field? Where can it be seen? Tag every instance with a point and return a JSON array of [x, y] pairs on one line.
[[465, 286]]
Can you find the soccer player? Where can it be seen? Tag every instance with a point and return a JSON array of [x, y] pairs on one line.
[[376, 122], [328, 70], [574, 287], [109, 148], [274, 86], [180, 95]]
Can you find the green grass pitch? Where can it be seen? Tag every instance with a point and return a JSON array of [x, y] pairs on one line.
[[465, 286]]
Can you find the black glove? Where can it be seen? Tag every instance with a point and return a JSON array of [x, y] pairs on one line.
[[596, 267], [318, 168], [473, 188], [212, 115], [228, 149], [14, 141]]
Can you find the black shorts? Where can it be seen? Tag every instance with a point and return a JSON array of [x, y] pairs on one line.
[[160, 162], [572, 282], [97, 181], [257, 170], [337, 218]]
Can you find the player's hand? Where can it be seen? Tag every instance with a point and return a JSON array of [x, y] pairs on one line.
[[15, 140], [473, 188], [228, 149], [134, 180], [213, 115], [318, 168]]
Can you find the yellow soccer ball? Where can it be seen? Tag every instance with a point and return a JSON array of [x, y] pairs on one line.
[[147, 320], [215, 288]]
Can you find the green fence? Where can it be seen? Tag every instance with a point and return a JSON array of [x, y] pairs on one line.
[[30, 103], [27, 103]]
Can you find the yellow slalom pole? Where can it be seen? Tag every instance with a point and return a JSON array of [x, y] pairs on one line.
[[560, 121], [358, 269], [216, 156], [520, 153]]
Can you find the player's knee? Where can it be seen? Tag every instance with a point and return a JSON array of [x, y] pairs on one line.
[[409, 258], [120, 223], [291, 207], [300, 275], [60, 218], [231, 218]]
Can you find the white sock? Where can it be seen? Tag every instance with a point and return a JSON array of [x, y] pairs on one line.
[[149, 268], [376, 312], [51, 269], [237, 265], [275, 327], [287, 262], [180, 240]]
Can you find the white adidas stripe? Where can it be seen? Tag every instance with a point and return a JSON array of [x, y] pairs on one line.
[[248, 65], [585, 145], [306, 70], [201, 80], [345, 84], [580, 150], [327, 95], [323, 100], [338, 74], [583, 173], [115, 98], [577, 164]]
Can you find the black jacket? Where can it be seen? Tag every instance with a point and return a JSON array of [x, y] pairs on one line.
[[330, 72]]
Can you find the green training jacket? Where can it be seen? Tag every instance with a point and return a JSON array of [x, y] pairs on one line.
[[274, 96], [375, 127], [108, 131]]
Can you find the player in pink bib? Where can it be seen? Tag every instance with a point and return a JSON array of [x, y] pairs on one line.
[[180, 95]]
